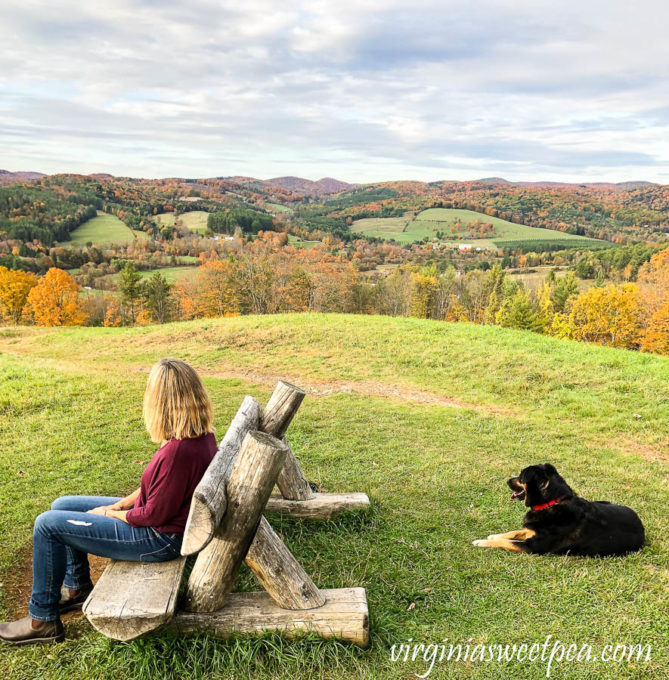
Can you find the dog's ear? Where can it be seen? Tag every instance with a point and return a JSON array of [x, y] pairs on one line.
[[548, 468], [533, 478]]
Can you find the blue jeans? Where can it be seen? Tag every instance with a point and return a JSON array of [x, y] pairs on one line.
[[63, 537]]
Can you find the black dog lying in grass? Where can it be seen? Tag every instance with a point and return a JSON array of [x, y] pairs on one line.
[[560, 522]]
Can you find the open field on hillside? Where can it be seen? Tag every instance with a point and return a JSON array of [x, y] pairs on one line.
[[388, 228], [429, 419], [278, 208], [96, 292], [104, 229], [429, 222], [195, 220], [532, 280], [300, 243]]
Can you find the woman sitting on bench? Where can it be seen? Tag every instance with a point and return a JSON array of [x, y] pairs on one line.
[[146, 526]]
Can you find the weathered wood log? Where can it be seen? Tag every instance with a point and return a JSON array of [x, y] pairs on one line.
[[281, 408], [133, 598], [291, 482], [280, 574], [344, 615], [250, 483], [319, 506], [209, 499]]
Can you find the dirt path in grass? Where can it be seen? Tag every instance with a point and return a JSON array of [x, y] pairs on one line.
[[369, 388], [313, 387], [17, 585], [658, 451]]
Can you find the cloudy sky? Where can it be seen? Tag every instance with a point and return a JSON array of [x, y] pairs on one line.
[[356, 89]]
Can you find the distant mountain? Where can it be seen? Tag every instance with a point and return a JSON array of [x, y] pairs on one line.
[[623, 186], [628, 186], [494, 180], [100, 176], [326, 185], [7, 177]]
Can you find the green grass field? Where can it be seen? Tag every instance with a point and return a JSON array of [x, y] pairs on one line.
[[172, 274], [429, 222], [533, 280], [301, 243], [277, 207], [429, 419], [104, 229], [195, 220]]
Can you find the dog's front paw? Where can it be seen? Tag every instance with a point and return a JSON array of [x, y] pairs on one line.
[[481, 543], [494, 536]]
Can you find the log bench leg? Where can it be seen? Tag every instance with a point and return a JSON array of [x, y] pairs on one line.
[[252, 477], [344, 616], [279, 572]]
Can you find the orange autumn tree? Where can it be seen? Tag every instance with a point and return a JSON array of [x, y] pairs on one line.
[[15, 286], [55, 300], [215, 291], [653, 282], [656, 336]]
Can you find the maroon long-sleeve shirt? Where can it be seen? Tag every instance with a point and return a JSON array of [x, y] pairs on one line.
[[168, 483]]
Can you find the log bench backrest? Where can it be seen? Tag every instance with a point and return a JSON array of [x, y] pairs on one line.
[[209, 501]]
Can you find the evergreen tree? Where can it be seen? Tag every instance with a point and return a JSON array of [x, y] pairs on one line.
[[564, 289], [585, 269], [157, 296], [518, 312], [130, 283]]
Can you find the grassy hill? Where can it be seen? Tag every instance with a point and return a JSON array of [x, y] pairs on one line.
[[104, 229], [506, 234], [428, 418]]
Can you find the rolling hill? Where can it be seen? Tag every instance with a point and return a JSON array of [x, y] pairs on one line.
[[7, 178], [436, 224]]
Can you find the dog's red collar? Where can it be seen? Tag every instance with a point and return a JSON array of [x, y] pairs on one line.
[[547, 505]]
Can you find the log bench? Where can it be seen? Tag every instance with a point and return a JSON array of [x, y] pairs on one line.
[[225, 527]]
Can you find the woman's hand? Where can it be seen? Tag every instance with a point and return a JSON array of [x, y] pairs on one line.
[[108, 511]]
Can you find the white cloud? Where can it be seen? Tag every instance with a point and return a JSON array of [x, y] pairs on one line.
[[362, 90]]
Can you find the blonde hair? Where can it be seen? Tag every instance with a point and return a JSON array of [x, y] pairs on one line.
[[176, 404]]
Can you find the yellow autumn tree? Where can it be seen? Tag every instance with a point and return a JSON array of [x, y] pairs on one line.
[[423, 289], [15, 286], [55, 300], [606, 316]]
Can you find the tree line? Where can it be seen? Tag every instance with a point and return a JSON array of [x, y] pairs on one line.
[[264, 279]]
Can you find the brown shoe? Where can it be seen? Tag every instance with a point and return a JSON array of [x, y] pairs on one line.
[[21, 632], [69, 602]]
